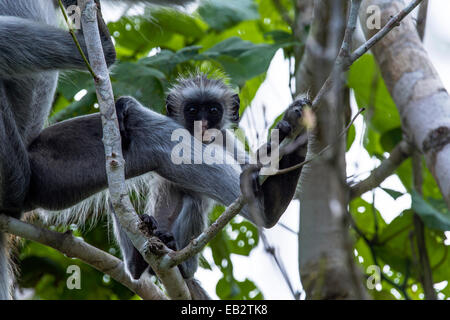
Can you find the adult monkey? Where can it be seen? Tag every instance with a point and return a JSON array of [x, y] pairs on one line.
[[32, 50]]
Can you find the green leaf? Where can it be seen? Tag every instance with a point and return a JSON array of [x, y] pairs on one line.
[[394, 194], [221, 15], [270, 15], [203, 263], [351, 135], [238, 290], [430, 187], [166, 28], [242, 60], [431, 217], [391, 138], [77, 108], [364, 216], [247, 238], [72, 82], [395, 249], [371, 92]]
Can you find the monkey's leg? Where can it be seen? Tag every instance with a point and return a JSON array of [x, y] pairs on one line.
[[136, 265], [189, 224], [27, 46], [14, 163]]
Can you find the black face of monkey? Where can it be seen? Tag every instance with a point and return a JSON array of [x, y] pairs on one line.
[[210, 113]]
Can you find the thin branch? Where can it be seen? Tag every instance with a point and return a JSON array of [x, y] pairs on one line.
[[384, 170], [391, 24], [281, 224], [174, 258], [343, 60], [74, 37], [342, 64], [272, 251], [74, 247], [115, 163]]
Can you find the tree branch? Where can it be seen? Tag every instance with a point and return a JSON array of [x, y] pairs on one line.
[[391, 24], [115, 163], [419, 94], [74, 247], [195, 246], [343, 62], [384, 170]]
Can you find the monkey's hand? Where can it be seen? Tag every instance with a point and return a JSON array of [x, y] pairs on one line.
[[291, 124]]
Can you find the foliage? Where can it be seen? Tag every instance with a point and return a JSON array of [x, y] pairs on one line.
[[393, 246]]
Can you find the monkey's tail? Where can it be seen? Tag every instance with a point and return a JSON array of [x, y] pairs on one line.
[[196, 290], [6, 274]]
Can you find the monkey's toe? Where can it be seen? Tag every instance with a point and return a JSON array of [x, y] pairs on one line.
[[167, 238], [150, 222]]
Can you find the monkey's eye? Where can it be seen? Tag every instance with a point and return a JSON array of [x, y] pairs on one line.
[[214, 110], [192, 110]]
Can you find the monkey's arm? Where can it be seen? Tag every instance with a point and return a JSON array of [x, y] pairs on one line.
[[68, 162], [275, 194], [27, 46]]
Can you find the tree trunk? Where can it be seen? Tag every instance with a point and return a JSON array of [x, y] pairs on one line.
[[326, 261], [420, 96]]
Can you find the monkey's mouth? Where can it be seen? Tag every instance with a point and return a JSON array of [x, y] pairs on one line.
[[208, 136]]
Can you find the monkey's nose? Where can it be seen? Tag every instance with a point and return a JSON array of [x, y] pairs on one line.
[[204, 125]]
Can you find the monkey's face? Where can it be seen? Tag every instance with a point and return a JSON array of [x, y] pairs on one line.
[[209, 113]]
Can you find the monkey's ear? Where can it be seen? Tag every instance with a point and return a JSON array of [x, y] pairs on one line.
[[170, 107], [234, 109]]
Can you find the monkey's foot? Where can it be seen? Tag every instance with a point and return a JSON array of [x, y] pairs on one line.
[[148, 224], [167, 238], [151, 226]]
